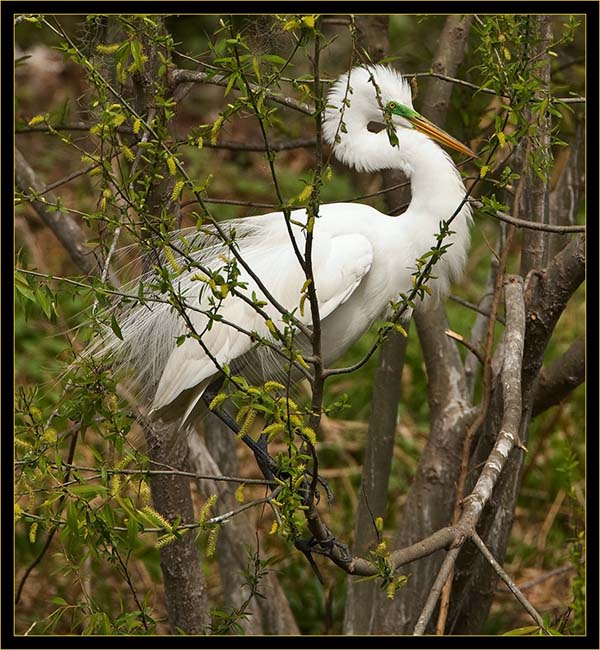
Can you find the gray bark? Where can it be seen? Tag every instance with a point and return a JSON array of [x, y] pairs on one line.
[[67, 230], [475, 580], [536, 196], [185, 586]]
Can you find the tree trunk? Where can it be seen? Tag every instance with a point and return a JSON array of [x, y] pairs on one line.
[[185, 586]]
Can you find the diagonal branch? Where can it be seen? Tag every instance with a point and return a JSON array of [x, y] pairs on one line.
[[560, 378], [507, 579], [66, 229]]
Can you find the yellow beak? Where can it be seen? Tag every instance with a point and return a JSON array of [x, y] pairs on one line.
[[423, 125]]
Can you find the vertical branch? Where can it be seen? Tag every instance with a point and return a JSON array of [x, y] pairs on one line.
[[372, 500], [431, 496], [534, 251], [545, 300], [185, 585], [507, 439], [567, 186], [313, 213]]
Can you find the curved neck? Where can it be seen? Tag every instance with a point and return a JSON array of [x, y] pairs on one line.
[[436, 185]]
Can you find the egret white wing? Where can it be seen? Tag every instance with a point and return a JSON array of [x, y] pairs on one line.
[[340, 262]]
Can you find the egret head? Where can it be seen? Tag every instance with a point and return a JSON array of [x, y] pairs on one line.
[[366, 101], [407, 117]]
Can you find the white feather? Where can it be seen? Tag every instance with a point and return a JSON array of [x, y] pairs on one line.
[[362, 260]]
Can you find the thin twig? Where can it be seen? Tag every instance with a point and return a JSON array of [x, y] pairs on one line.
[[489, 91], [532, 225], [508, 581], [158, 472], [530, 584], [474, 307], [463, 341], [180, 76], [435, 591]]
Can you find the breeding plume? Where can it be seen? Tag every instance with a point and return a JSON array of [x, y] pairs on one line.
[[362, 259]]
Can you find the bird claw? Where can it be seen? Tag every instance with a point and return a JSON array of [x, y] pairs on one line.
[[324, 546]]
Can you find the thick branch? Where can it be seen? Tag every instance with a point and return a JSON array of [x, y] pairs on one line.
[[567, 185], [507, 439], [185, 586], [547, 295], [66, 229], [376, 470], [560, 378]]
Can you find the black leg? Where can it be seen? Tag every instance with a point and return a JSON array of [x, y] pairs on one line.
[[259, 449]]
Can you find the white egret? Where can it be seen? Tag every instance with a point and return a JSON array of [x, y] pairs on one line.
[[362, 259]]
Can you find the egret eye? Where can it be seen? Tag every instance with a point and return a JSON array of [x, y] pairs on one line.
[[392, 106]]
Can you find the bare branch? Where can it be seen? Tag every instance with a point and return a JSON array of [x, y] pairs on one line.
[[489, 91], [181, 76], [547, 295], [67, 231], [477, 308], [436, 589], [557, 381], [474, 504], [567, 185], [463, 341], [514, 341], [534, 247], [533, 225], [508, 581], [375, 472], [548, 575]]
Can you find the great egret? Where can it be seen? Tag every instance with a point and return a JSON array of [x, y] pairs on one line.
[[362, 259]]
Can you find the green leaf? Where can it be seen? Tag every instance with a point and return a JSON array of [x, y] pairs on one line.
[[137, 54], [256, 68], [273, 58], [132, 532], [43, 302], [114, 325], [72, 518], [22, 286], [89, 491], [232, 80]]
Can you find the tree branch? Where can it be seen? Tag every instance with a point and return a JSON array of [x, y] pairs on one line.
[[66, 229], [547, 295], [181, 76], [534, 247], [508, 438], [560, 378], [533, 225], [507, 580]]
